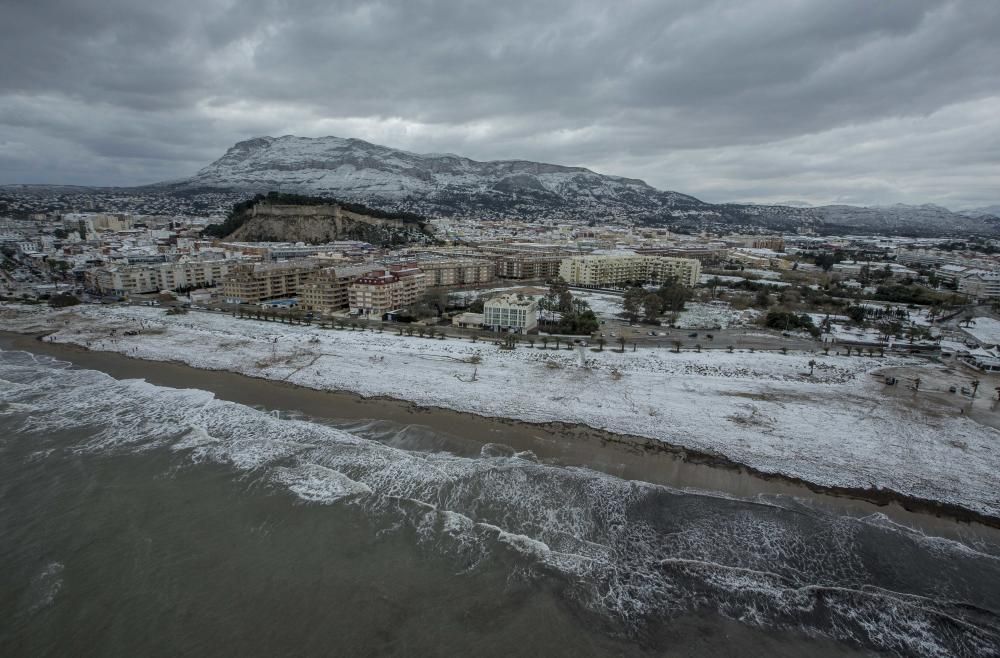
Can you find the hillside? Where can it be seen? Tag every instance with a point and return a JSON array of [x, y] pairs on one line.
[[315, 220]]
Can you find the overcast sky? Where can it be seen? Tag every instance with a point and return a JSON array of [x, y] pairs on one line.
[[854, 101]]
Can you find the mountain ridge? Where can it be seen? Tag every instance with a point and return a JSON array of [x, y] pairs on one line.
[[438, 184]]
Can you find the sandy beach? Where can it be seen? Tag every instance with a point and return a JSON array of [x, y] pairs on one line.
[[461, 433]]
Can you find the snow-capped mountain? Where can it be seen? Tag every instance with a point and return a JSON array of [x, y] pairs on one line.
[[451, 185], [433, 184]]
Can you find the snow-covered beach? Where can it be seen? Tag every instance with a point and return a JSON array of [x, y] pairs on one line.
[[834, 428]]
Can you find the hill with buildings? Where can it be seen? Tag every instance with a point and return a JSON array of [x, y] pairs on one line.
[[280, 217]]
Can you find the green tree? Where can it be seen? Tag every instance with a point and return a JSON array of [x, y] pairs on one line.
[[632, 302], [652, 306]]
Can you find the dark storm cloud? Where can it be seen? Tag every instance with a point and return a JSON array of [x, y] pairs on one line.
[[852, 100]]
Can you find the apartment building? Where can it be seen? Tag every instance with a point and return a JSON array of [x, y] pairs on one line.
[[447, 272], [513, 313], [326, 291], [252, 283], [386, 291], [136, 279], [624, 268], [980, 285], [526, 260]]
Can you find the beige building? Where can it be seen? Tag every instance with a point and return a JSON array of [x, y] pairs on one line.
[[450, 272], [627, 267], [386, 291], [326, 291], [252, 283], [526, 260], [514, 313]]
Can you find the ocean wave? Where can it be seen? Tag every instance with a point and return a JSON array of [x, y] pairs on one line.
[[633, 551]]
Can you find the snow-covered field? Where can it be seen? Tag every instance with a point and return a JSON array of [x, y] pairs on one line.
[[762, 409], [697, 315], [985, 330]]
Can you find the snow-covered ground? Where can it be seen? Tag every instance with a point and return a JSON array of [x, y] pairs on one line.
[[605, 305], [697, 315], [985, 330], [834, 428]]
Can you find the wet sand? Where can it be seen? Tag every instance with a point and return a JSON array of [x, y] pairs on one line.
[[628, 457]]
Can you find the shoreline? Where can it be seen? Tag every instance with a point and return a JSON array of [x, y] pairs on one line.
[[570, 444]]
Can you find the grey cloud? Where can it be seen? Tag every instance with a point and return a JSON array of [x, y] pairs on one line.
[[721, 98]]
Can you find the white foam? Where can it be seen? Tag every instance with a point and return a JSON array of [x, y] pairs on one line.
[[318, 484], [632, 550]]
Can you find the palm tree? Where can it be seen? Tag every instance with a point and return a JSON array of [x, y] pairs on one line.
[[677, 347], [475, 337], [812, 364], [826, 350]]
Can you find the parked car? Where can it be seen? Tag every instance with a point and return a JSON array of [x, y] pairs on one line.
[[693, 334]]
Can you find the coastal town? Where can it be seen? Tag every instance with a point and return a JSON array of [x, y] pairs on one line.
[[761, 332], [507, 329]]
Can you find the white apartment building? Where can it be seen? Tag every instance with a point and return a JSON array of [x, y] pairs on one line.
[[980, 285], [620, 269], [514, 313], [135, 279]]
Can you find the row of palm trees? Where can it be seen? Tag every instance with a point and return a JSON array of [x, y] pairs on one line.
[[509, 341]]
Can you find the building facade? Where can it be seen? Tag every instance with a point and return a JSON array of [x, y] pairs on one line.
[[326, 291], [980, 285], [382, 292], [137, 279], [452, 272], [253, 283], [621, 269], [514, 313]]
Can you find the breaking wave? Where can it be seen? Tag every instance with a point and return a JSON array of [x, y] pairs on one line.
[[633, 552]]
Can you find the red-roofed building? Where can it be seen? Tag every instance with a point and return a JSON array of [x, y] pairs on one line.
[[386, 291]]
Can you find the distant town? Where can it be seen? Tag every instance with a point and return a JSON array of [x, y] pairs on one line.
[[632, 281]]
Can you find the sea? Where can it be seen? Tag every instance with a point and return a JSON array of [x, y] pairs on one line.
[[138, 519]]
